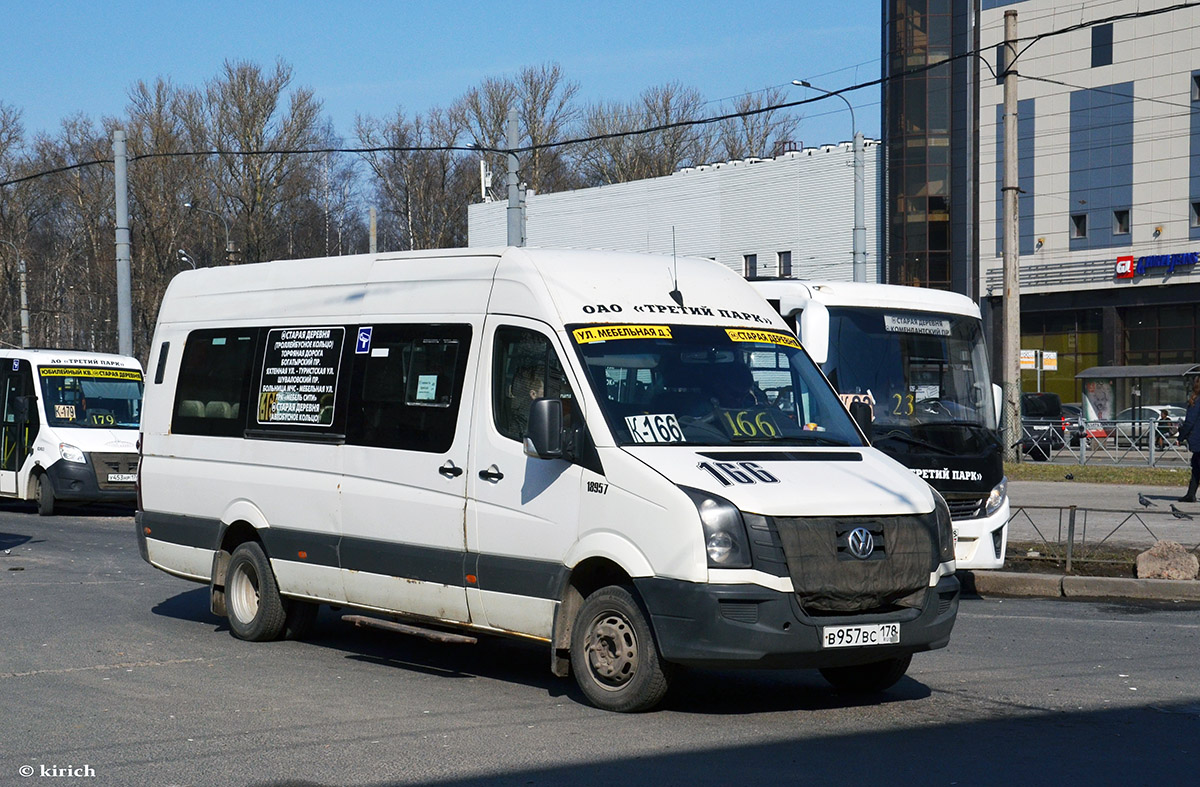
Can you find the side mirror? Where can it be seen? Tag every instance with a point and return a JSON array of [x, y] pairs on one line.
[[543, 435], [814, 331], [861, 413], [998, 403]]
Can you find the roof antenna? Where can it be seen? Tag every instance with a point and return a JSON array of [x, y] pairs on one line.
[[675, 294]]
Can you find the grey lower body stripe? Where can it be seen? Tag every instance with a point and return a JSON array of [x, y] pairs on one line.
[[494, 573]]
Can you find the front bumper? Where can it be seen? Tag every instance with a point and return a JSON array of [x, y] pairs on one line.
[[982, 542], [75, 482], [706, 625]]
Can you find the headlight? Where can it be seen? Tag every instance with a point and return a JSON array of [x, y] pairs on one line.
[[996, 497], [724, 531], [945, 528], [71, 454]]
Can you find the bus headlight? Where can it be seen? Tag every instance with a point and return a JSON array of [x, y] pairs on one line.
[[945, 528], [70, 453], [996, 497], [725, 539]]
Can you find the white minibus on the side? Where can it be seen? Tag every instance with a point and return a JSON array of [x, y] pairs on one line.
[[70, 426], [627, 457]]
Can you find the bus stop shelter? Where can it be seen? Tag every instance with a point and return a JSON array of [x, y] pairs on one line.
[[1109, 389]]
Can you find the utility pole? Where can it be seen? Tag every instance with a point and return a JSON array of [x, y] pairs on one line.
[[373, 245], [124, 297], [24, 300], [860, 223], [24, 304], [1011, 355], [516, 227]]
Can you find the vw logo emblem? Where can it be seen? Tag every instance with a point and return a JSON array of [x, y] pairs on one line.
[[861, 543]]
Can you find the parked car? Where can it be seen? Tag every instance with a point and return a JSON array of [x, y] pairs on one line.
[[1136, 424], [1044, 428]]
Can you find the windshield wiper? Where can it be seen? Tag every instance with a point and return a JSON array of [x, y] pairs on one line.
[[907, 438]]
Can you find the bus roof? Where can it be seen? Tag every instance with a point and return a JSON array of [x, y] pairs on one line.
[[49, 357], [793, 294]]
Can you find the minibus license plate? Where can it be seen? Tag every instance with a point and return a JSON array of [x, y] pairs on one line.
[[122, 478], [860, 636]]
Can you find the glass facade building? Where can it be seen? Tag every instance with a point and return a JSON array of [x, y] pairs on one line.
[[930, 119]]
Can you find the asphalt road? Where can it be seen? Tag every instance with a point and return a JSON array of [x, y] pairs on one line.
[[111, 668]]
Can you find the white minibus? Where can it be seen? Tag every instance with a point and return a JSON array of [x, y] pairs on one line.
[[70, 426], [572, 447]]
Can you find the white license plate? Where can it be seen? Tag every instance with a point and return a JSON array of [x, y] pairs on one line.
[[122, 477], [860, 636]]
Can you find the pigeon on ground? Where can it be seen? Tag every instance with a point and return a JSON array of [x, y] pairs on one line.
[[1175, 512], [1145, 501]]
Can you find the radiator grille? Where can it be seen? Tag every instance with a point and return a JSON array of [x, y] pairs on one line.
[[829, 581], [114, 464], [965, 507]]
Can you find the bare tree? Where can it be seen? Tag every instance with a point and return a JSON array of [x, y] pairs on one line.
[[423, 194], [254, 135], [755, 133], [546, 112], [627, 150]]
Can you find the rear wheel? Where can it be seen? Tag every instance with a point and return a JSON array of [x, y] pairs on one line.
[[252, 599], [613, 653], [45, 496], [868, 678]]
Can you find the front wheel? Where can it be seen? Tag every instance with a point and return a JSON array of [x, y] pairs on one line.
[[613, 654], [252, 599], [868, 678], [45, 496]]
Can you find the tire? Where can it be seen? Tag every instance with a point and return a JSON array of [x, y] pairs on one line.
[[300, 618], [45, 496], [613, 653], [868, 678], [252, 598]]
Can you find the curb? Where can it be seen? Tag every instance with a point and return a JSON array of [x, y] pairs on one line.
[[1011, 583]]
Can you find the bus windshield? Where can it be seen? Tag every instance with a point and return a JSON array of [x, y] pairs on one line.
[[916, 369], [705, 385], [92, 397]]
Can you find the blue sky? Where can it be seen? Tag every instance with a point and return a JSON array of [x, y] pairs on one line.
[[60, 58]]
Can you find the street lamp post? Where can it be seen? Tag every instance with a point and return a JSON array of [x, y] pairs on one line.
[[24, 300], [224, 223], [860, 225]]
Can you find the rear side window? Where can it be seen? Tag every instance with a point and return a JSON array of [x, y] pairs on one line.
[[214, 378], [407, 386]]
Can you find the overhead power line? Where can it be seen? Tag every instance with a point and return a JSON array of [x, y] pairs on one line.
[[1031, 40]]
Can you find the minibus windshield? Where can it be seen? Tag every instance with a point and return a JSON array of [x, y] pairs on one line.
[[89, 397], [708, 385]]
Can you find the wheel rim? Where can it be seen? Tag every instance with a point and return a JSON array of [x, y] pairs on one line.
[[242, 593], [612, 650]]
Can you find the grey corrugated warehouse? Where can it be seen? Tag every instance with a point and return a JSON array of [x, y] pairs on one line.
[[754, 215]]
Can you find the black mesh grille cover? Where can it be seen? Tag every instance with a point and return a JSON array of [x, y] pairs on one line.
[[829, 579]]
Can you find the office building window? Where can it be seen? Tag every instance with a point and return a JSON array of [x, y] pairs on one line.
[[749, 265], [785, 264], [1079, 225], [1102, 45], [1120, 222], [1196, 214], [1195, 87]]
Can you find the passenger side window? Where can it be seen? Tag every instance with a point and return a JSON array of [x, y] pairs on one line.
[[525, 367], [407, 386], [214, 378]]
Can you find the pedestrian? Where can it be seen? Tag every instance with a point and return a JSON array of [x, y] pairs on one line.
[[1163, 430], [1190, 432]]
